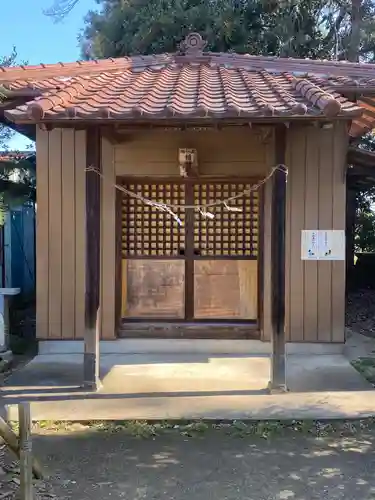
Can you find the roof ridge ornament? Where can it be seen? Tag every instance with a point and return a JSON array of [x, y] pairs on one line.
[[193, 44]]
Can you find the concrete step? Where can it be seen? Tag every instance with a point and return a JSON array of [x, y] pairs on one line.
[[189, 386], [189, 330], [289, 406], [185, 346]]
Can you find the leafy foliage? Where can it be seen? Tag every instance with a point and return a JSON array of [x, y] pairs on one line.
[[17, 184], [336, 29], [6, 133], [17, 178], [364, 232], [302, 28]]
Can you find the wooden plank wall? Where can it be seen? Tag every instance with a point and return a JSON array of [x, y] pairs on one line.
[[108, 243], [61, 157], [222, 152], [61, 236], [315, 292], [61, 162], [315, 199]]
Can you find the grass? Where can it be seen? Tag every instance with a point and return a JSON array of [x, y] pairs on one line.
[[366, 367], [194, 429]]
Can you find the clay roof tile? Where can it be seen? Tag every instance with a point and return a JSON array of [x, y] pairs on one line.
[[190, 83]]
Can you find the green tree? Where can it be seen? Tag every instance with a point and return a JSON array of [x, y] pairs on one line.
[[364, 227], [17, 175], [121, 28], [364, 231], [342, 29], [6, 133], [338, 29], [17, 183], [293, 28]]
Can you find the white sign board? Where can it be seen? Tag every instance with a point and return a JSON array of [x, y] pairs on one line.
[[318, 244]]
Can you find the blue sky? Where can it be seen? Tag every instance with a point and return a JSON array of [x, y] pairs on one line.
[[37, 38]]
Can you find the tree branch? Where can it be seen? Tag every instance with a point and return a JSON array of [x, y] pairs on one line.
[[336, 25], [355, 33], [60, 9]]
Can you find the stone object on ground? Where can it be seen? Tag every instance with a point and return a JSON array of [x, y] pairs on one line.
[[4, 365], [6, 356], [6, 359]]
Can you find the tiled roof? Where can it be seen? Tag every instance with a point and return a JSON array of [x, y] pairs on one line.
[[191, 84], [186, 91], [10, 156]]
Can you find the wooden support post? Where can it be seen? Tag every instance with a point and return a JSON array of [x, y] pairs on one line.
[[351, 207], [189, 253], [92, 298], [278, 366], [12, 442], [26, 458]]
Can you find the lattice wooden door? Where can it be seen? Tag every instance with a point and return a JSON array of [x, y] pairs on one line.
[[233, 231], [152, 248], [148, 232], [226, 251], [203, 269]]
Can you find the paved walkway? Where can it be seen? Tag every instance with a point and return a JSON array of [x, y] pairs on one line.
[[358, 346], [104, 466], [189, 387]]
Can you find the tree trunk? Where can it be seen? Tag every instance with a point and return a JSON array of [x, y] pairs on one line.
[[355, 35]]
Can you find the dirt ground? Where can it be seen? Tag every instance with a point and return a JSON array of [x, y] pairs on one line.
[[104, 465], [360, 312]]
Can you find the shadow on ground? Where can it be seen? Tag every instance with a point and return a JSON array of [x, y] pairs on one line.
[[110, 466]]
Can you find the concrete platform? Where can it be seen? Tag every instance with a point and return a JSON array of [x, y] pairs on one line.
[[207, 347], [190, 386]]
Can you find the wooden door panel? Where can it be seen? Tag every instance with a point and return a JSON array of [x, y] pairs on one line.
[[226, 289], [200, 268], [154, 289]]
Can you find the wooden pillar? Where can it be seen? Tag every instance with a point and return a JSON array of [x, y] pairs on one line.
[[13, 444], [92, 296], [26, 457], [351, 206], [189, 253], [278, 368]]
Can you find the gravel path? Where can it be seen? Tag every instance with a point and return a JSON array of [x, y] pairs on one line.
[[360, 312], [213, 465], [9, 480]]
